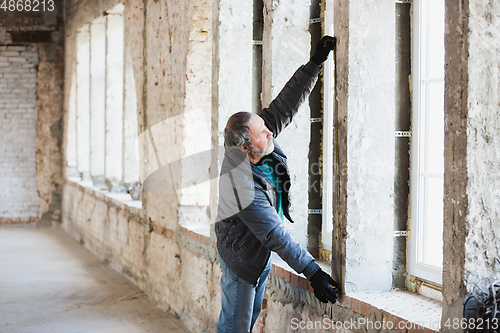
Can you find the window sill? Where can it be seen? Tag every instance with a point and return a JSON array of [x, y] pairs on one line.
[[402, 306], [119, 199], [399, 307], [198, 235]]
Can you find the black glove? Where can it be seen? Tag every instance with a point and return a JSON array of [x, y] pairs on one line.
[[323, 48], [325, 288]]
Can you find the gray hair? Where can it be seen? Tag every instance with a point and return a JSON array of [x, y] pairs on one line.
[[236, 133]]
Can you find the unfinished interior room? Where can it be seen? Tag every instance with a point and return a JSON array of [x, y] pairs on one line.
[[113, 137]]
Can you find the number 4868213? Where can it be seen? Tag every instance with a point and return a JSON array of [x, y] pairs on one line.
[[27, 5]]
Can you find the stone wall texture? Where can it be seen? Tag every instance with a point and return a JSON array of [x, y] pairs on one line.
[[471, 229], [483, 144], [168, 55], [18, 131], [35, 37], [366, 119]]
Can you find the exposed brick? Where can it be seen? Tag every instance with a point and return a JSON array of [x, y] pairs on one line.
[[401, 325], [304, 283], [279, 272], [389, 318], [19, 133], [295, 279], [377, 313], [16, 48], [355, 305], [286, 275], [414, 328], [365, 309], [428, 330], [9, 53], [17, 59], [28, 54], [202, 239]]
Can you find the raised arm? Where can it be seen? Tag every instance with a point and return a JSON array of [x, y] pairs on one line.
[[280, 112], [283, 108]]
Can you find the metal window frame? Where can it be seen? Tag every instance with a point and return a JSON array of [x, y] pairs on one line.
[[414, 267], [328, 149]]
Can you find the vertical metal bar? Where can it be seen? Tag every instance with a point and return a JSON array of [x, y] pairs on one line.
[[258, 25]]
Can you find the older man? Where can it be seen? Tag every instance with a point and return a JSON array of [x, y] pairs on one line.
[[253, 200]]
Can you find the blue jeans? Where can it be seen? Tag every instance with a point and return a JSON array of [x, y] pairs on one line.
[[241, 301]]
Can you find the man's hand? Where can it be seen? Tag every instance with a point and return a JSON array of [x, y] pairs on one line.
[[325, 288], [323, 48]]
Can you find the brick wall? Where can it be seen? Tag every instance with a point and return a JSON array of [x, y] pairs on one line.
[[18, 131]]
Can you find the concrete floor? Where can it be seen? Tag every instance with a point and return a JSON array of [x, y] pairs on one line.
[[51, 283]]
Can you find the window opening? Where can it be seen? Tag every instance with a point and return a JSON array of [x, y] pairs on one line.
[[426, 242]]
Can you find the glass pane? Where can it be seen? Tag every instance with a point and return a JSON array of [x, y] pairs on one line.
[[431, 232], [434, 128], [435, 39], [431, 126]]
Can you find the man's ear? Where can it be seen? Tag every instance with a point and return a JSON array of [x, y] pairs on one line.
[[245, 149]]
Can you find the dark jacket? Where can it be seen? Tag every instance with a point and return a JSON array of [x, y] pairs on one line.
[[248, 227]]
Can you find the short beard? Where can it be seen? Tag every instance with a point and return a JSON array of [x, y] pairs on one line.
[[257, 151]]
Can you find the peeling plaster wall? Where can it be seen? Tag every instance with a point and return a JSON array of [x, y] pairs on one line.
[[366, 95], [110, 229], [168, 45], [43, 31], [471, 229], [165, 49], [196, 122], [160, 261], [483, 144], [455, 157], [134, 52], [50, 131]]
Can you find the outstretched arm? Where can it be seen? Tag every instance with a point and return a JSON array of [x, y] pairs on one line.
[[282, 109]]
